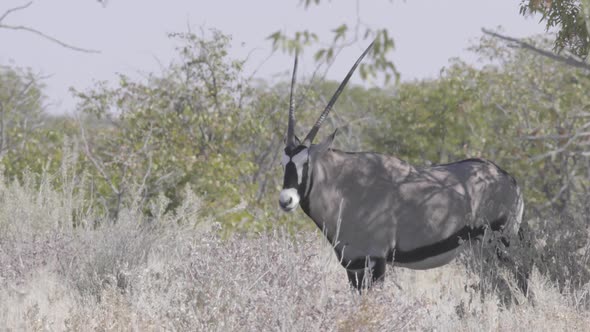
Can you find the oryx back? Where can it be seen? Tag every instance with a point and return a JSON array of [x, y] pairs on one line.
[[379, 206]]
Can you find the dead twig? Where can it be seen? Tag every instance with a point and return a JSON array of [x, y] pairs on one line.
[[37, 32], [568, 59], [17, 8]]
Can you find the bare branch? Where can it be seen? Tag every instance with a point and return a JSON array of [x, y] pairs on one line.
[[37, 32], [545, 137], [145, 149], [52, 39], [568, 60], [561, 191], [12, 10], [94, 161]]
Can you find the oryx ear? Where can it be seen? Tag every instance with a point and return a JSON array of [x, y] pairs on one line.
[[325, 144]]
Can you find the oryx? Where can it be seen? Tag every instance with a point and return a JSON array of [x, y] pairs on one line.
[[377, 209]]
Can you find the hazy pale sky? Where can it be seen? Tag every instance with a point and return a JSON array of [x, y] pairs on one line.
[[132, 34]]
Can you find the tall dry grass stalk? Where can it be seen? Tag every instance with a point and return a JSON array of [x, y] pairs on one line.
[[173, 271]]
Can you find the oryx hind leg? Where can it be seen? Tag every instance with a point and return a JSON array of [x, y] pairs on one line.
[[519, 261], [513, 258], [365, 272]]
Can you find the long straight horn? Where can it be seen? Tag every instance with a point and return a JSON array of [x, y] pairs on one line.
[[291, 128], [314, 130]]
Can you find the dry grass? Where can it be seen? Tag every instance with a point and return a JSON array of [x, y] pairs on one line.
[[167, 274]]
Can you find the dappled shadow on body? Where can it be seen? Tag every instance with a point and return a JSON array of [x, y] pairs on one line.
[[421, 217]]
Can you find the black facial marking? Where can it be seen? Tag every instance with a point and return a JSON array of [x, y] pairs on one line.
[[290, 180], [291, 177], [293, 150]]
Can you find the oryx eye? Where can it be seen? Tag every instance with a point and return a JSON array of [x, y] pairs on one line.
[[285, 160], [300, 157]]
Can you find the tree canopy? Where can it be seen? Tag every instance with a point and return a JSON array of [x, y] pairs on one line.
[[570, 18]]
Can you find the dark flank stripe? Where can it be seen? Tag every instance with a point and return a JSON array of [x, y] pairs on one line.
[[452, 242], [438, 248], [419, 254]]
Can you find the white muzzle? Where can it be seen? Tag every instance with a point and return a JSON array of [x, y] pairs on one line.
[[289, 199]]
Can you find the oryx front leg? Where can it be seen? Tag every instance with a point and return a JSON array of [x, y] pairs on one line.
[[364, 272]]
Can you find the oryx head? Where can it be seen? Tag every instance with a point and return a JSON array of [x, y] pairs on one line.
[[297, 154]]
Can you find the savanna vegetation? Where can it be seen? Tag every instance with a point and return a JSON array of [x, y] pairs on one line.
[[155, 206]]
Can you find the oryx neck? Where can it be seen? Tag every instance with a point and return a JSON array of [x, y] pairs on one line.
[[314, 203]]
